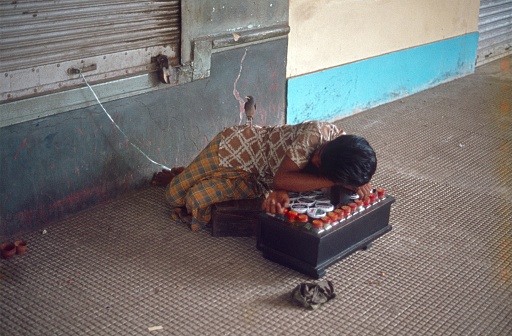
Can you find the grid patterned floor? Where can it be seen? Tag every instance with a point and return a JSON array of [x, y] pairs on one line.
[[445, 154]]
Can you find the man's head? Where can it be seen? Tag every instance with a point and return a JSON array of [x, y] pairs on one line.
[[348, 160]]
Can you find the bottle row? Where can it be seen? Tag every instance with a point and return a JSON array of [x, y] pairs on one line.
[[314, 212]]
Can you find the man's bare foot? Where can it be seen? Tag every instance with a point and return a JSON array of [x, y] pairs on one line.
[[163, 178], [177, 170], [182, 215]]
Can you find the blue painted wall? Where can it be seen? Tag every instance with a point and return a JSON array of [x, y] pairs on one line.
[[338, 92]]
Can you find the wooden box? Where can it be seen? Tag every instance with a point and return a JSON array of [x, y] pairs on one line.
[[237, 218], [292, 245]]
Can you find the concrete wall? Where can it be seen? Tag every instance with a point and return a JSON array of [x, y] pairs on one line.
[[391, 48], [65, 162]]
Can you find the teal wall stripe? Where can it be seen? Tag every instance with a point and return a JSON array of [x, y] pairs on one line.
[[338, 92]]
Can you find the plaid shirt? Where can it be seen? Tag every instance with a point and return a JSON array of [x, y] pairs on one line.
[[260, 150]]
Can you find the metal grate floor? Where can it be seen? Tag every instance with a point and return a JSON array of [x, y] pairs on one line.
[[445, 154]]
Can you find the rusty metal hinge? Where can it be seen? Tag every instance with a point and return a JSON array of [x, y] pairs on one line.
[[76, 71]]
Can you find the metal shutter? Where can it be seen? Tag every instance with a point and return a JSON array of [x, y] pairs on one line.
[[495, 28], [41, 40]]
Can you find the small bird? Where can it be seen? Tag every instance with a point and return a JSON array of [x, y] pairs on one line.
[[250, 109]]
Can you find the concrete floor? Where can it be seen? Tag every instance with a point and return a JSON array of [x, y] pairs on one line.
[[445, 154]]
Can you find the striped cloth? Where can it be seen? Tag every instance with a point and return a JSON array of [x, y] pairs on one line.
[[204, 182]]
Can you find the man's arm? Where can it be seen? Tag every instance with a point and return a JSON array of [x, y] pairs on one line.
[[289, 177]]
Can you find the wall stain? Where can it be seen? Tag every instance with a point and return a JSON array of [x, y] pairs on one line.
[[23, 145]]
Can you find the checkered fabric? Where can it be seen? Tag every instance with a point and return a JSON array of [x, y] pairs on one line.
[[204, 183], [260, 150]]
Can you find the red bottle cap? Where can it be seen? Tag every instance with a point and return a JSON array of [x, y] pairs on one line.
[[318, 223], [352, 206], [302, 218], [333, 216], [346, 209], [291, 215], [326, 219], [381, 193]]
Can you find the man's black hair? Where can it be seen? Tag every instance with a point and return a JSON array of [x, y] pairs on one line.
[[348, 160]]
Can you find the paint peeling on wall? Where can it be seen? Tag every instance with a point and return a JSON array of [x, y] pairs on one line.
[[235, 91]]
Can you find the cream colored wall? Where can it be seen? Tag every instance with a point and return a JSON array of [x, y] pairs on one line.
[[328, 33]]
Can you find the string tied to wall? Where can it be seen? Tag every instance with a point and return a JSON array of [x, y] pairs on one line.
[[118, 128]]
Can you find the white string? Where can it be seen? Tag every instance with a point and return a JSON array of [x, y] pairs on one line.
[[120, 130]]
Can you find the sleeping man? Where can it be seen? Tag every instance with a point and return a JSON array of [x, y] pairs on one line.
[[252, 161]]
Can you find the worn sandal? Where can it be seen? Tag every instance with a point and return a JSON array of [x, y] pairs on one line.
[[311, 295]]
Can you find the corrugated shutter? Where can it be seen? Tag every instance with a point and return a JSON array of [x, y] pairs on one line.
[[41, 40], [495, 28]]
